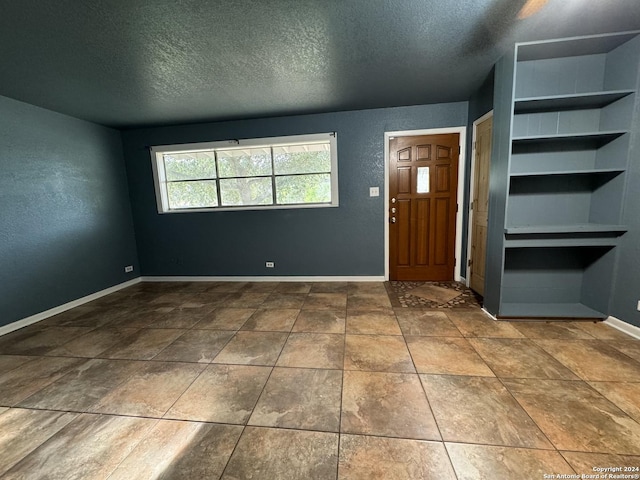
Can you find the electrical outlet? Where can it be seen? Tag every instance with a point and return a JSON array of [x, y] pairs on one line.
[[128, 269], [269, 264], [374, 191]]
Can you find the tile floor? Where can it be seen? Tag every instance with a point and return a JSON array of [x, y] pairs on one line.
[[310, 381]]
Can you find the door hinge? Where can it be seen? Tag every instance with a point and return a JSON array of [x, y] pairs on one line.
[[469, 263], [474, 145], [459, 149], [471, 206], [457, 207]]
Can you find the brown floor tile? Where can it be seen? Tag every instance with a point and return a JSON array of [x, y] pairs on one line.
[[9, 362], [313, 350], [366, 458], [630, 347], [584, 463], [84, 385], [377, 353], [575, 417], [25, 430], [329, 287], [93, 343], [179, 318], [372, 323], [38, 340], [252, 348], [227, 287], [150, 391], [602, 331], [278, 454], [245, 300], [67, 318], [180, 450], [222, 393], [376, 288], [141, 318], [93, 316], [429, 323], [485, 462], [593, 360], [20, 383], [386, 404], [480, 410], [284, 300], [325, 301], [625, 396], [320, 321], [293, 287], [551, 330], [272, 320], [93, 446], [196, 346], [519, 358], [475, 323], [368, 301], [300, 398], [144, 344], [225, 319], [260, 287], [449, 355]]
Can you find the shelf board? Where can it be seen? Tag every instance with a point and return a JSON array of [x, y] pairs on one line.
[[576, 101], [588, 171], [548, 310], [571, 47], [555, 229], [583, 140], [561, 242]]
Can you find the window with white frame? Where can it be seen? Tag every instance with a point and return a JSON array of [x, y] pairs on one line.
[[285, 172]]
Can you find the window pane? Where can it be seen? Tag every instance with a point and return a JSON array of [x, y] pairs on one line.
[[246, 191], [192, 194], [248, 162], [189, 166], [423, 180], [303, 189], [302, 159]]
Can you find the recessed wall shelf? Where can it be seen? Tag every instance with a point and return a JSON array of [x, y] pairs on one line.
[[583, 140], [591, 171], [576, 101]]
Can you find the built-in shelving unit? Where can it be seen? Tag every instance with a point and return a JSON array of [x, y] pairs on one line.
[[570, 116]]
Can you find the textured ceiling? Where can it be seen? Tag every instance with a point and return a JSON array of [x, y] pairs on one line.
[[126, 63]]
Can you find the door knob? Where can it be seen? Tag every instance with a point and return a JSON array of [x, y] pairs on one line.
[[393, 210], [393, 219], [393, 200]]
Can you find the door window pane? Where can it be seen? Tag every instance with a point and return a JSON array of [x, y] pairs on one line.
[[192, 194], [423, 180], [246, 191], [303, 189]]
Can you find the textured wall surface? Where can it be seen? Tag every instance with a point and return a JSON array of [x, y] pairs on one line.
[[65, 220], [347, 240]]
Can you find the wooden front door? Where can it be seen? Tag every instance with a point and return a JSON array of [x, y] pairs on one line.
[[480, 206], [423, 180]]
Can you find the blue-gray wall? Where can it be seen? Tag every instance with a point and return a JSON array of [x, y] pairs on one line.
[[66, 229], [347, 240]]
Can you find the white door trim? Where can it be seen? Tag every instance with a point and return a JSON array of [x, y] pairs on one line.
[[461, 162], [472, 173]]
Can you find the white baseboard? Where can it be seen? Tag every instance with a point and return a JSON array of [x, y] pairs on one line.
[[63, 308], [486, 312], [356, 278], [624, 327]]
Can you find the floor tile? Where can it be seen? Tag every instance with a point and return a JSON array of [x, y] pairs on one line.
[[480, 410], [584, 463], [325, 301], [222, 393], [329, 287], [260, 287], [631, 348], [449, 355], [141, 318], [313, 350], [293, 287], [624, 395], [372, 323], [93, 343], [320, 321], [252, 348], [225, 319], [278, 454], [284, 300], [519, 358], [474, 323], [93, 446], [429, 323], [300, 398], [179, 318], [25, 430], [376, 288], [485, 462], [551, 330], [150, 391], [386, 404], [377, 353], [20, 383], [272, 320], [593, 360], [38, 341], [9, 362], [196, 346], [575, 417], [226, 287], [602, 331], [368, 301], [366, 458], [180, 451], [245, 300], [84, 385], [144, 344]]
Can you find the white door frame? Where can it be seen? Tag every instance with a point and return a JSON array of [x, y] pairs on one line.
[[472, 173], [461, 162]]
